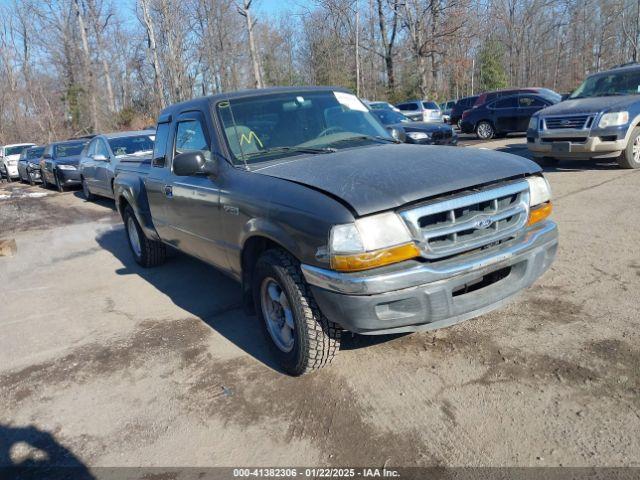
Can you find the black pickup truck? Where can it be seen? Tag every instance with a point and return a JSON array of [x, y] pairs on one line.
[[328, 223]]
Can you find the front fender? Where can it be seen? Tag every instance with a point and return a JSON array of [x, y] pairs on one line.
[[137, 198]]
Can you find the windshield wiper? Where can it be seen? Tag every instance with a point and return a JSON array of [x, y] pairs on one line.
[[270, 151], [366, 137]]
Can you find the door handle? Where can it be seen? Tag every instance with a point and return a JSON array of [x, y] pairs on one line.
[[168, 191]]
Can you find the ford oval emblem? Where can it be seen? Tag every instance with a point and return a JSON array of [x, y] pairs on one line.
[[483, 223]]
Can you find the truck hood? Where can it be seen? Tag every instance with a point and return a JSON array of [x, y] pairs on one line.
[[382, 177], [590, 105]]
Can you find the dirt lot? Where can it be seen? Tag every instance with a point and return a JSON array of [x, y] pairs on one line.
[[117, 365]]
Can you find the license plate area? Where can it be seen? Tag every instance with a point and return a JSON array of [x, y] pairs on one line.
[[561, 147]]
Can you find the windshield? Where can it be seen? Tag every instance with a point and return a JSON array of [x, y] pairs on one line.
[[430, 105], [131, 145], [380, 106], [604, 85], [34, 153], [549, 94], [15, 150], [265, 127], [389, 117], [69, 149]]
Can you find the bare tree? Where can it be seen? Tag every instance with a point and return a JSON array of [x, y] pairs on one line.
[[244, 9]]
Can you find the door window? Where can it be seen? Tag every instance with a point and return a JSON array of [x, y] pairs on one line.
[[190, 137], [408, 106], [101, 148], [526, 102], [160, 145], [91, 149], [505, 103]]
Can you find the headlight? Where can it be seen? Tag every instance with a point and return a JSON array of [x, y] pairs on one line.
[[539, 199], [67, 167], [12, 163], [371, 242], [418, 135], [533, 123], [613, 119]]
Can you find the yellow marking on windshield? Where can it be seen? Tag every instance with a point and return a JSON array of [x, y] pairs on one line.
[[250, 138]]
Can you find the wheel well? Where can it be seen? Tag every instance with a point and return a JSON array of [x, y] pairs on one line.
[[251, 251], [122, 204]]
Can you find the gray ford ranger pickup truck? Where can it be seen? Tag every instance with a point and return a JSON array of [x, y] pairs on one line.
[[600, 119], [328, 223]]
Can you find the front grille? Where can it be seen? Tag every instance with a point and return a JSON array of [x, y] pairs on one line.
[[574, 122], [469, 221], [440, 135]]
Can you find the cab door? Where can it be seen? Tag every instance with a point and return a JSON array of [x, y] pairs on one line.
[[505, 112], [102, 164], [193, 202]]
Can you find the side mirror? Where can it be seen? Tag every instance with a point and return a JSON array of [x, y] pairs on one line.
[[564, 96], [398, 133], [193, 163], [99, 157]]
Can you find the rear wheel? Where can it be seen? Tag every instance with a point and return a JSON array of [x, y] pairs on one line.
[[485, 131], [301, 337], [148, 253], [630, 157]]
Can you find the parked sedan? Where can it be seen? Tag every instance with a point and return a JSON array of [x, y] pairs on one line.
[[29, 164], [9, 156], [504, 115], [104, 152], [418, 132], [59, 164], [421, 111]]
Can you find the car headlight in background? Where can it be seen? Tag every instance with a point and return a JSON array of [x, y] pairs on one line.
[[533, 123], [67, 167], [418, 135], [613, 119], [370, 242], [540, 206]]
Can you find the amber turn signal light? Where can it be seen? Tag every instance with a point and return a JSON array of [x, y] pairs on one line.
[[539, 213], [377, 258]]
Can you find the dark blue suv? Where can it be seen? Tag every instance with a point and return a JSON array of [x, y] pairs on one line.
[[600, 119]]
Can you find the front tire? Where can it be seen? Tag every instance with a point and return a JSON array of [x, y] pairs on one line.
[[485, 131], [148, 253], [59, 185], [88, 196], [630, 157], [301, 337]]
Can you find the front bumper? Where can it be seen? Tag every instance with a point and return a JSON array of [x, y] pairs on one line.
[[69, 177], [413, 296], [579, 144]]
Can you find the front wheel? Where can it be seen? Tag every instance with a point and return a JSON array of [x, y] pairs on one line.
[[148, 253], [32, 182], [88, 196], [485, 131], [59, 185], [630, 157], [301, 337]]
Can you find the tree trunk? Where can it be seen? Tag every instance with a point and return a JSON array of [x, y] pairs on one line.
[[88, 70], [153, 49], [244, 10]]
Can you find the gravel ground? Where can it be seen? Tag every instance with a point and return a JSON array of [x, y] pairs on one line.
[[108, 364]]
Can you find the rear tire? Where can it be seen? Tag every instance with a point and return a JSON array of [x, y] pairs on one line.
[[485, 131], [315, 339], [630, 157], [148, 253]]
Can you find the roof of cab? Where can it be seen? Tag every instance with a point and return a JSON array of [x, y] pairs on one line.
[[204, 102]]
